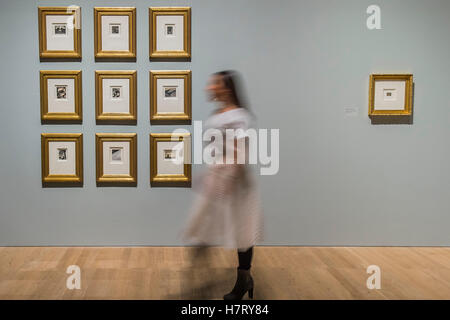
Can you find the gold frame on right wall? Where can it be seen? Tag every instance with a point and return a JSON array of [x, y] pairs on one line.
[[407, 110]]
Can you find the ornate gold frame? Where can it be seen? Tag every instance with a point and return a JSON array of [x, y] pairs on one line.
[[115, 118], [408, 78], [186, 13], [119, 179], [115, 11], [169, 180], [62, 180], [69, 117], [45, 54], [175, 117]]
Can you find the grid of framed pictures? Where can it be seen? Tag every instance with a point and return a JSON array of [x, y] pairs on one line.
[[115, 96], [390, 95]]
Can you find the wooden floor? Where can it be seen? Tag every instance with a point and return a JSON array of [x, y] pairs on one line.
[[278, 272]]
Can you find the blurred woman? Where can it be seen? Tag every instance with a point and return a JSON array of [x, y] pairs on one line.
[[227, 212]]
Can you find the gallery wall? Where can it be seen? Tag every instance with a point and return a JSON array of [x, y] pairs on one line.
[[306, 66]]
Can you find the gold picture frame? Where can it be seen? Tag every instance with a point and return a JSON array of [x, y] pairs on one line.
[[51, 54], [183, 54], [115, 117], [100, 54], [170, 180], [408, 95], [60, 179], [113, 179], [184, 117], [61, 117]]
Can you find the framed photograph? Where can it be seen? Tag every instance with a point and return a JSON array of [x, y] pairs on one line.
[[61, 96], [115, 33], [170, 159], [170, 97], [62, 159], [390, 94], [116, 97], [59, 32], [116, 155], [170, 32]]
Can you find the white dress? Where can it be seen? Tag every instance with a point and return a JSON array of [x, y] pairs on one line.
[[231, 218]]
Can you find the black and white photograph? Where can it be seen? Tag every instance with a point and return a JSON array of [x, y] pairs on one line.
[[170, 92], [62, 153], [170, 29], [61, 92], [115, 29], [389, 94], [60, 29], [169, 154], [115, 92], [116, 154]]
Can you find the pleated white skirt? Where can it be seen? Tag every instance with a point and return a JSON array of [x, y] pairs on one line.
[[230, 218]]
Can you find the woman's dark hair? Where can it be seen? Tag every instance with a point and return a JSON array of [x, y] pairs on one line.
[[232, 81]]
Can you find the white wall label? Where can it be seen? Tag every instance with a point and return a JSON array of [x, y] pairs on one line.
[[350, 111]]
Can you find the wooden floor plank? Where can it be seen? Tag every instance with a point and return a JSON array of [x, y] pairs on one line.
[[171, 273]]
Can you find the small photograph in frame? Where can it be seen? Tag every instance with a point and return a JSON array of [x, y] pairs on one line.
[[170, 160], [116, 155], [170, 32], [170, 97], [59, 33], [62, 159], [61, 96], [390, 95], [116, 97], [115, 33]]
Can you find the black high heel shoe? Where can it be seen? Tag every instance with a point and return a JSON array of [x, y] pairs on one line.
[[243, 284]]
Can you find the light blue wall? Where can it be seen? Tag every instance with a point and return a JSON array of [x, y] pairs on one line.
[[342, 181]]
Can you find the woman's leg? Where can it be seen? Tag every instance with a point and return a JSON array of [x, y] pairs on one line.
[[245, 258], [244, 280]]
